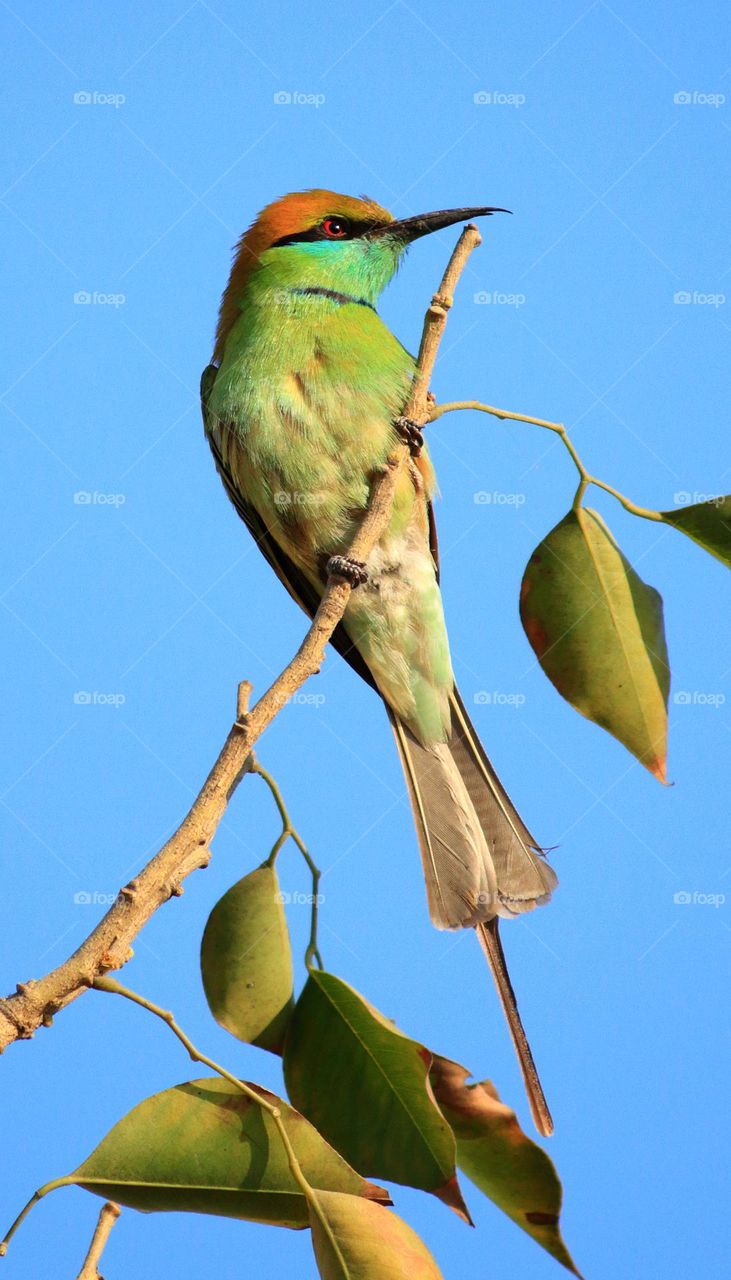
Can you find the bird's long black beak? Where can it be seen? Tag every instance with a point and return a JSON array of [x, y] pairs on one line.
[[408, 229]]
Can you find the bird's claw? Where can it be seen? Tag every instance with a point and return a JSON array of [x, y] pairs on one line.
[[353, 571], [411, 434]]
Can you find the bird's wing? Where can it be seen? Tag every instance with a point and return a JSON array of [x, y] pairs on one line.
[[433, 541], [298, 586]]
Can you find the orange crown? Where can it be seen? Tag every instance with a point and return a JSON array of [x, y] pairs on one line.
[[298, 211]]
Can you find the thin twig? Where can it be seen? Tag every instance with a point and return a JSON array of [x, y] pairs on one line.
[[107, 1218], [585, 477], [108, 946], [290, 832], [112, 987], [115, 988]]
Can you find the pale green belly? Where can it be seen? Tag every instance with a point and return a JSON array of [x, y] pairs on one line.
[[307, 426]]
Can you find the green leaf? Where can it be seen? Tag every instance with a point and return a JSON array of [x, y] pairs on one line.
[[597, 630], [495, 1153], [365, 1086], [355, 1240], [246, 961], [707, 523], [204, 1147]]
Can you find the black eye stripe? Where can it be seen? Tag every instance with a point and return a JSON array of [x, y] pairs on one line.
[[355, 229]]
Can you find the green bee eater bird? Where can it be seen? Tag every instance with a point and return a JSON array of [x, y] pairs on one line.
[[301, 406]]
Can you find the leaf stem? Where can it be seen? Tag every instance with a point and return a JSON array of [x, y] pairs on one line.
[[289, 831], [645, 513], [112, 987], [68, 1181], [585, 477]]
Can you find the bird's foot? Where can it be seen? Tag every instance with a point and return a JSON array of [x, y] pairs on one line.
[[353, 571], [411, 434]]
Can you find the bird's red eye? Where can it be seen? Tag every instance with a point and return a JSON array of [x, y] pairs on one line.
[[336, 228]]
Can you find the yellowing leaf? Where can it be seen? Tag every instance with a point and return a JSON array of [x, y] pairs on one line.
[[204, 1147], [707, 523], [356, 1240], [365, 1086], [505, 1164], [246, 961], [597, 630]]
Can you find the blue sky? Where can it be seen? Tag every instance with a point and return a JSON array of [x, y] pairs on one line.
[[607, 133]]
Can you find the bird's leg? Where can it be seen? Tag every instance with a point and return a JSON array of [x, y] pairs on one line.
[[353, 571], [411, 434]]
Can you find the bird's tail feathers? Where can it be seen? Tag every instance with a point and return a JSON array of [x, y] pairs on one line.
[[489, 939], [480, 860], [524, 878]]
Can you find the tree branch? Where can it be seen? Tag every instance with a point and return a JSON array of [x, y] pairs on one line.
[[107, 1218], [108, 946]]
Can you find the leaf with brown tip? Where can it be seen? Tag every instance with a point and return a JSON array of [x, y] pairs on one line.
[[365, 1087], [501, 1160]]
